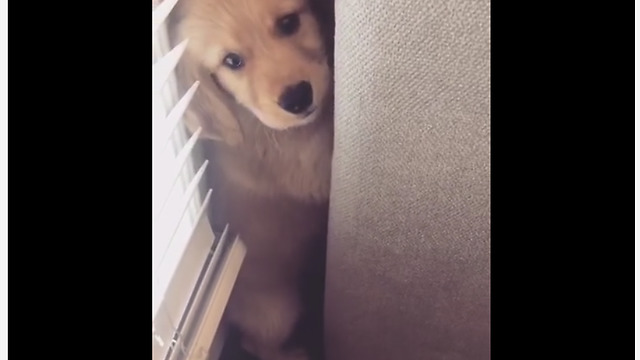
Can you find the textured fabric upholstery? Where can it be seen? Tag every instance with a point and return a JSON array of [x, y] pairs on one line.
[[408, 259]]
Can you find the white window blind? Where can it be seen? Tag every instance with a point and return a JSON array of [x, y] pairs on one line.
[[193, 270]]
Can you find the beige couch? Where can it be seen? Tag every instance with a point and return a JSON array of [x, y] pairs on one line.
[[409, 250]]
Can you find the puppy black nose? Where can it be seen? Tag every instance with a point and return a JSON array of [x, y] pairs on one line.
[[296, 98]]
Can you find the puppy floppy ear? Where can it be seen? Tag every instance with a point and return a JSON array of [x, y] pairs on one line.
[[211, 108]]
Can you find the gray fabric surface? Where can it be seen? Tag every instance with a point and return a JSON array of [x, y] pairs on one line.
[[409, 232]]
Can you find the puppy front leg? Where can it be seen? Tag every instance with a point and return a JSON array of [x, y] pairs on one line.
[[269, 351], [266, 321]]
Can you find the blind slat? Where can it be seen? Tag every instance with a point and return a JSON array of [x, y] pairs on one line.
[[165, 66], [165, 268], [207, 323], [168, 222], [175, 115], [212, 273], [167, 177], [181, 275], [161, 12]]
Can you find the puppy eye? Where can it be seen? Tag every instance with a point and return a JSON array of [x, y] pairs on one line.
[[233, 61], [288, 24]]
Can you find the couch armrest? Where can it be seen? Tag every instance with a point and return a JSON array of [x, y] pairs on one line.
[[409, 233]]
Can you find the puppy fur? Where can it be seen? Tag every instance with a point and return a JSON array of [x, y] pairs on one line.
[[270, 169]]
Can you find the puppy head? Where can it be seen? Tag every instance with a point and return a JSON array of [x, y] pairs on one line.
[[268, 55]]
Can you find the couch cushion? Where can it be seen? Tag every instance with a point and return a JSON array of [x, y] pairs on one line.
[[408, 251]]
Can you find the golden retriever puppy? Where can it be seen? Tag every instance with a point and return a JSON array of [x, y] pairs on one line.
[[265, 98]]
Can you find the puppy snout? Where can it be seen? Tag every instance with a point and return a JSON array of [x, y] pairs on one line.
[[296, 98]]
